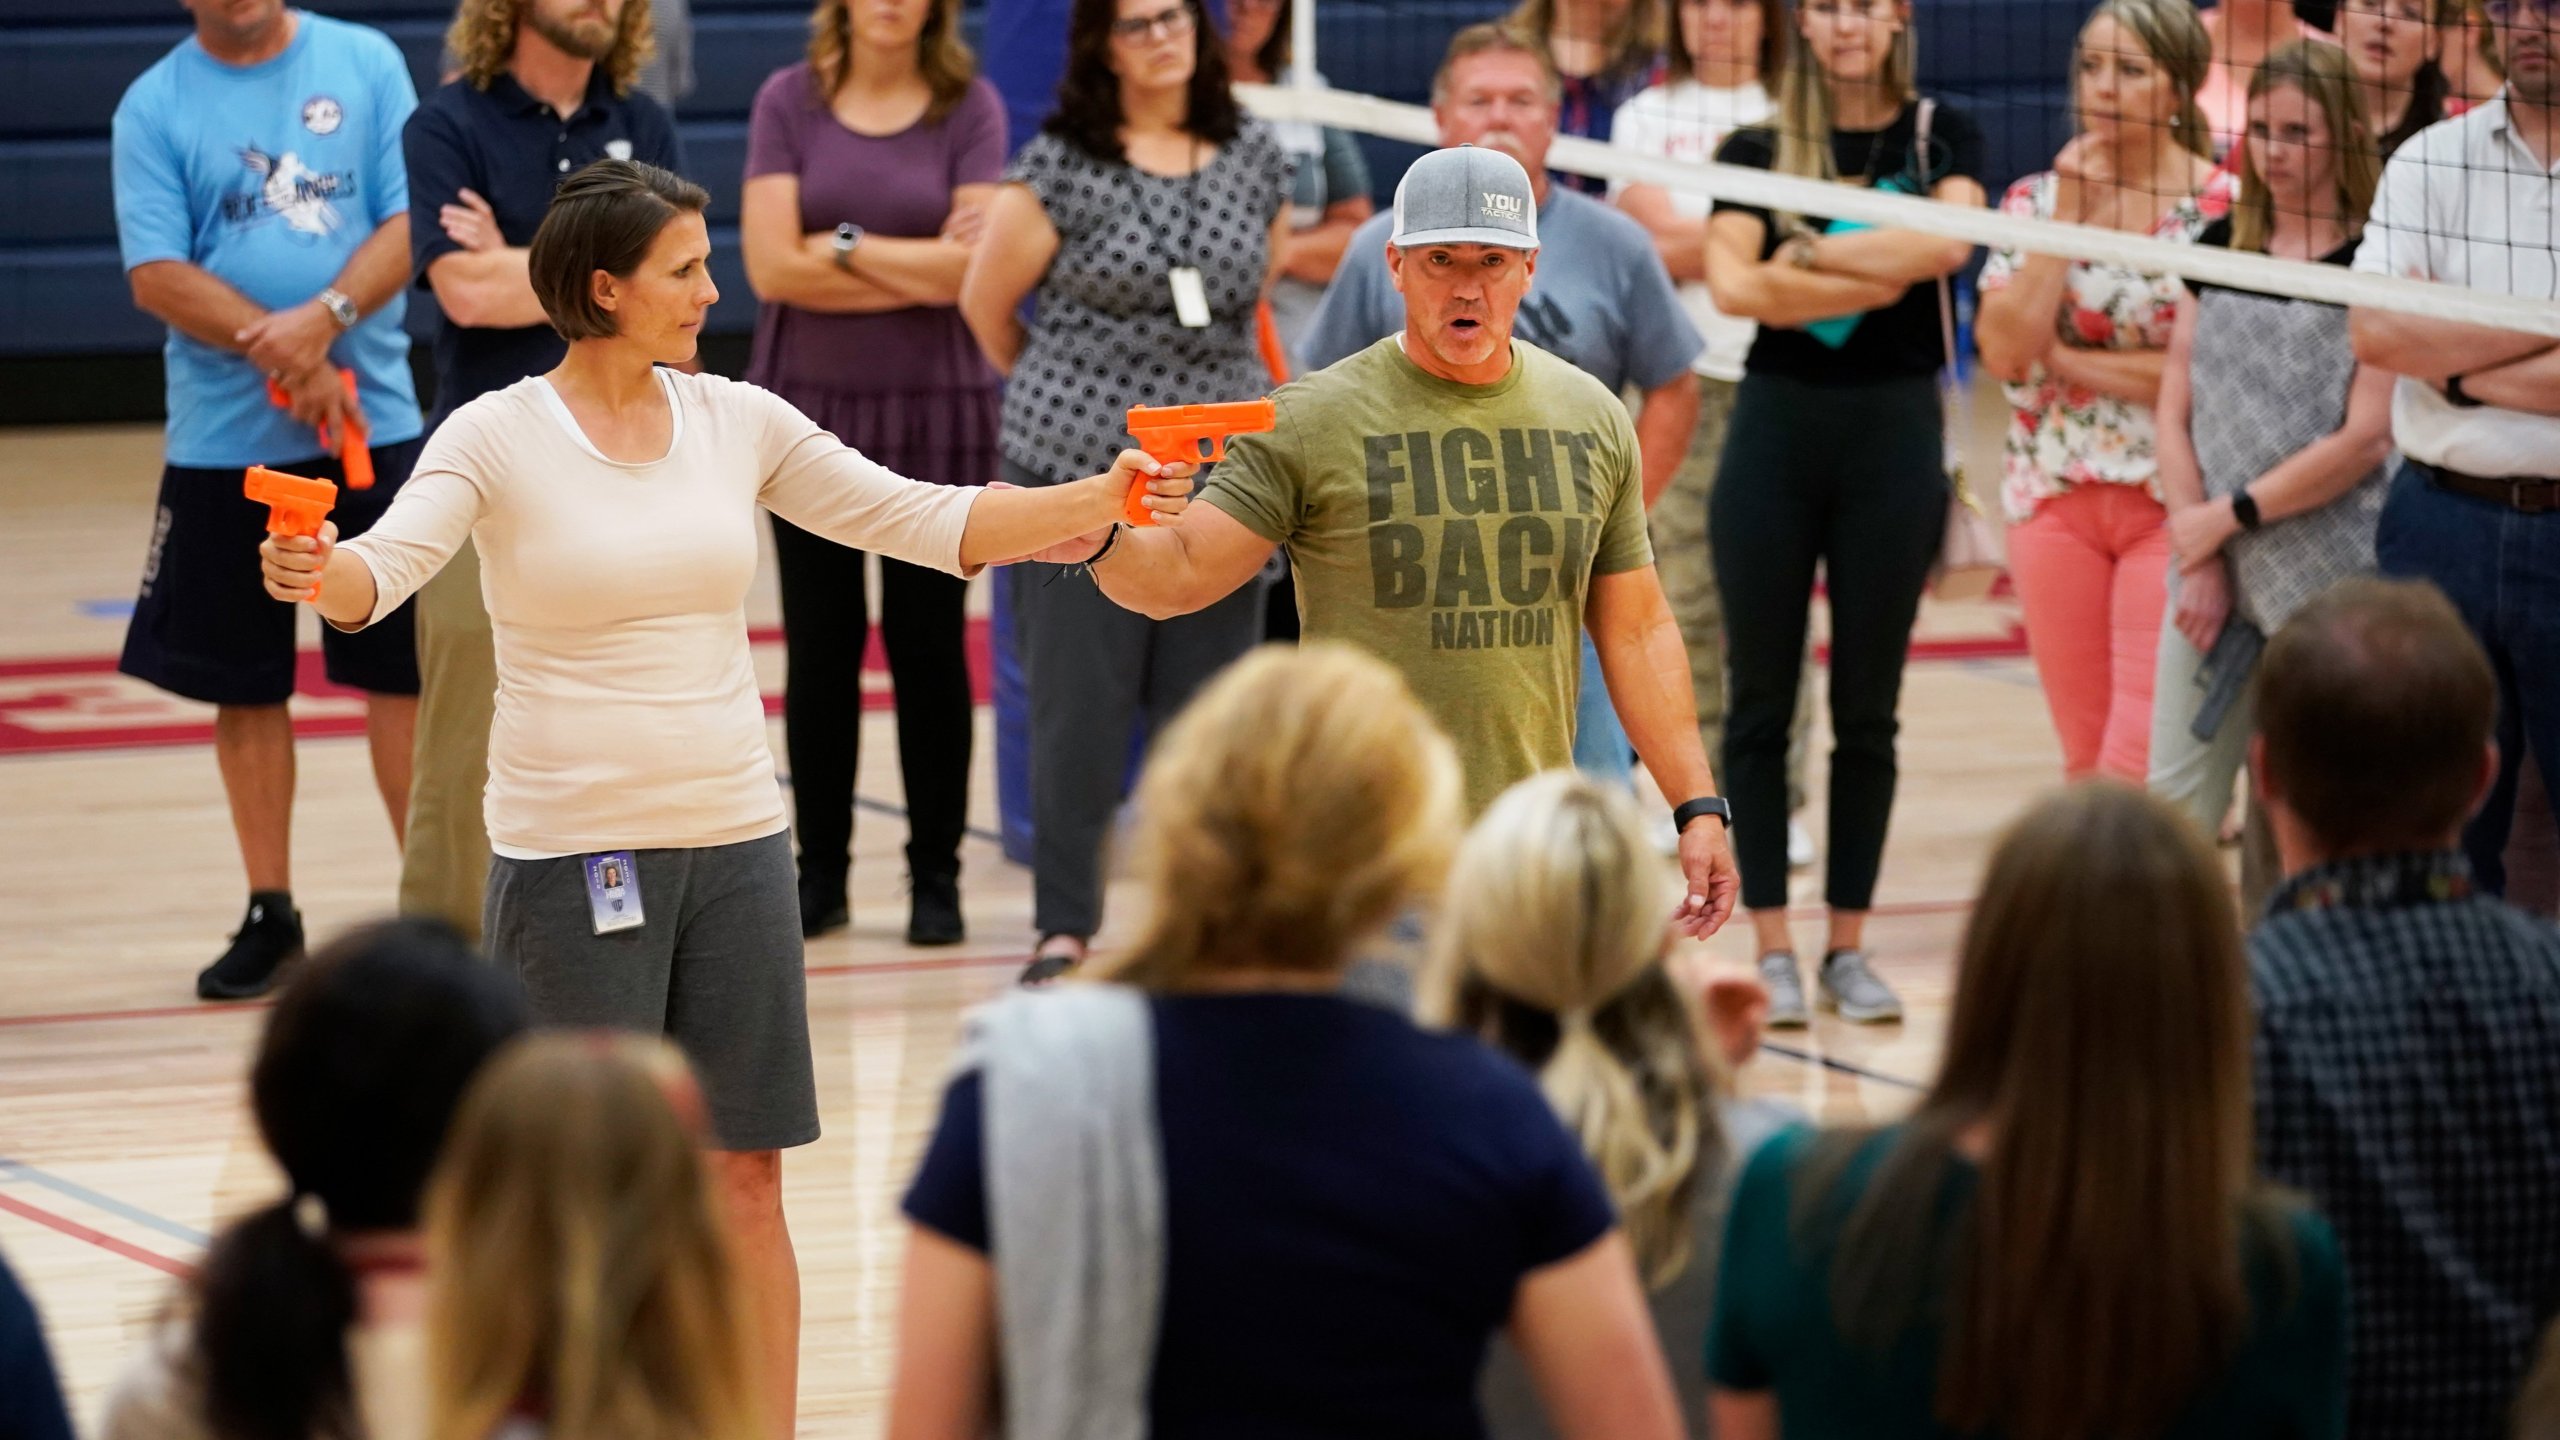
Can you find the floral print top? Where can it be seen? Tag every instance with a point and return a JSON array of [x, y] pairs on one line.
[[2064, 435]]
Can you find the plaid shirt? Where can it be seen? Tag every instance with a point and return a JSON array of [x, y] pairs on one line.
[[2408, 1079]]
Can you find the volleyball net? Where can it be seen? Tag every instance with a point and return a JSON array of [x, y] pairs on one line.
[[1386, 51]]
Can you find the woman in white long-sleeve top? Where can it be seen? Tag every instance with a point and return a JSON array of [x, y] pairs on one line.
[[643, 876]]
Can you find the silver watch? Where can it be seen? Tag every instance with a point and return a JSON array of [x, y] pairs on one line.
[[848, 235], [340, 308]]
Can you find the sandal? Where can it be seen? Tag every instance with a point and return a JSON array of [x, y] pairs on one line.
[[1047, 965]]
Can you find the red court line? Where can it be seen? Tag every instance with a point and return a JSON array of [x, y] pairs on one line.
[[77, 1231]]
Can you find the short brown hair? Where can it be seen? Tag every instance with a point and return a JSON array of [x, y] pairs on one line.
[[2374, 708], [605, 217], [1494, 37]]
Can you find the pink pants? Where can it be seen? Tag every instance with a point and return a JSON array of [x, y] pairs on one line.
[[2092, 571]]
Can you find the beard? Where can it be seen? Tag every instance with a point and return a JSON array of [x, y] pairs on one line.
[[584, 36]]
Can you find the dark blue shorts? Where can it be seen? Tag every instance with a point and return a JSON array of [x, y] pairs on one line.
[[204, 626]]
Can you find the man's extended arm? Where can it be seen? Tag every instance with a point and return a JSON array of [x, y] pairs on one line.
[[1161, 571], [1647, 667]]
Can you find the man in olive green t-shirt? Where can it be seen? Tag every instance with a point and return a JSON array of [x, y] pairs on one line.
[[1461, 504]]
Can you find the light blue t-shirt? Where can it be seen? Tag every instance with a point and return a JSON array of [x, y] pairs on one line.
[[1601, 299], [269, 176]]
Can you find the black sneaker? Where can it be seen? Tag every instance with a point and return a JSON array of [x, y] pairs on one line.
[[1049, 966], [822, 907], [269, 936], [933, 911]]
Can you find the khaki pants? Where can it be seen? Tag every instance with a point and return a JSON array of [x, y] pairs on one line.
[[1688, 572], [444, 871]]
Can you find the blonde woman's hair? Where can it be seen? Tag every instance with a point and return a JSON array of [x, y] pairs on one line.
[[942, 56], [1556, 957], [1804, 101], [2173, 38], [1298, 803], [2319, 70], [1635, 40], [483, 38], [579, 1257]]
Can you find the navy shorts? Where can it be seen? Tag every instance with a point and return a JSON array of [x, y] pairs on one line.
[[204, 626]]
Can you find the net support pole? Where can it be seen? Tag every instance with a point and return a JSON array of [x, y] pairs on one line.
[[1796, 194], [1302, 47]]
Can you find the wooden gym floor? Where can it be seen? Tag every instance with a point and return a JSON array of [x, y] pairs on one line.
[[123, 1136]]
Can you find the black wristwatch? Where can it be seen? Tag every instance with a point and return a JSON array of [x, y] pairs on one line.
[[2453, 392], [2244, 509], [1689, 810]]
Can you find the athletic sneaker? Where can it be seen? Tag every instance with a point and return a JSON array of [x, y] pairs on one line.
[[1786, 991], [1800, 851], [269, 935], [1851, 988], [933, 910]]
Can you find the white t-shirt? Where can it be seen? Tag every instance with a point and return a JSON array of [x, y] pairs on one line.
[[2465, 202], [1686, 121], [627, 711]]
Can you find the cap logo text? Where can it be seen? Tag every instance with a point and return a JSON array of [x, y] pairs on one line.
[[1502, 207]]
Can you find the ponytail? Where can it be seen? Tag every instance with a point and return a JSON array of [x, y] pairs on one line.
[[1646, 1147], [274, 1303]]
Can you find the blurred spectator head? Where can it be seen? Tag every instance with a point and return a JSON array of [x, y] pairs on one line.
[[1555, 956], [2523, 35], [2375, 715], [586, 260], [616, 35], [579, 1256], [1837, 41], [1258, 31], [1497, 88], [2394, 46], [235, 24], [1117, 49], [1751, 33], [2097, 1068], [356, 1080], [1300, 802], [930, 28], [2136, 70], [2307, 149], [1633, 41]]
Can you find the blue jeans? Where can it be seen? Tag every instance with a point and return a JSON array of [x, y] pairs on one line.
[[2501, 570], [1600, 745]]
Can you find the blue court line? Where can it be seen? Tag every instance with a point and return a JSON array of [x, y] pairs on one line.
[[1843, 1066], [20, 1170]]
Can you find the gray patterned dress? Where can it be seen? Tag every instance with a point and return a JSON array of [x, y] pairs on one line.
[[2270, 376]]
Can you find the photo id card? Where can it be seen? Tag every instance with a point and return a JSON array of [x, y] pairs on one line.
[[1190, 297], [613, 891]]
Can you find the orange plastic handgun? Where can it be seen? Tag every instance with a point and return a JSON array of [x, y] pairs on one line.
[[295, 504], [353, 457], [1196, 434]]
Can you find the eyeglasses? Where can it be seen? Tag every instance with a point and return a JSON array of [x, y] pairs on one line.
[[2512, 12], [1171, 24]]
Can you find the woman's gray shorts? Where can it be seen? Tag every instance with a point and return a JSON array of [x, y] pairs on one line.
[[716, 968]]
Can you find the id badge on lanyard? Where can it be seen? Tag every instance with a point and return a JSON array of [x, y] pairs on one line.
[[613, 891], [1190, 296]]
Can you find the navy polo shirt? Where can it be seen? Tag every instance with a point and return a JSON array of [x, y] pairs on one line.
[[513, 151]]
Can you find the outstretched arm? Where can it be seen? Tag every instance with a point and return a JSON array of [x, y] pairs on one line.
[[1163, 572], [1647, 667]]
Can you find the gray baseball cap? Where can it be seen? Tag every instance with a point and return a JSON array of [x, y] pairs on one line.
[[1466, 195]]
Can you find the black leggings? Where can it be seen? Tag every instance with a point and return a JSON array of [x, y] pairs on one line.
[[1851, 477], [826, 623]]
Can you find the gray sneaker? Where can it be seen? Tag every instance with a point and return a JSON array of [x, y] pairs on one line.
[[1851, 988], [1786, 991]]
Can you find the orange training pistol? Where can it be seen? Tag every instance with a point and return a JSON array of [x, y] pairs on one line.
[[295, 504], [353, 457], [1194, 434]]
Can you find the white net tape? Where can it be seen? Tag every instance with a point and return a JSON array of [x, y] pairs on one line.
[[2239, 270]]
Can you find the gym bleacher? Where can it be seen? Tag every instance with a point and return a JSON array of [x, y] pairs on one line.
[[72, 346]]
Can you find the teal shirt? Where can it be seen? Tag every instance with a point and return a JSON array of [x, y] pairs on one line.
[[1773, 1329]]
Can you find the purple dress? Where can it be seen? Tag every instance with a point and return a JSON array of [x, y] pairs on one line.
[[906, 387]]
